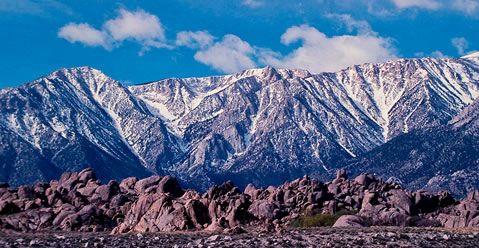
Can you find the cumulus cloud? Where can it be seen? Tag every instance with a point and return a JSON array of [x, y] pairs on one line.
[[85, 34], [229, 55], [426, 4], [137, 26], [320, 53], [461, 45], [198, 39], [316, 51]]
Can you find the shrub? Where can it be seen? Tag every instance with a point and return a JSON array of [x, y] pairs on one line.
[[317, 220]]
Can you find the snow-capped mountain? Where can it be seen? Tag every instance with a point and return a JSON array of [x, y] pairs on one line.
[[435, 158], [75, 118], [261, 125]]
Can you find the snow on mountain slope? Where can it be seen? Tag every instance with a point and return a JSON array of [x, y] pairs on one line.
[[292, 122], [473, 55], [261, 125], [20, 162], [75, 118], [405, 94], [436, 158]]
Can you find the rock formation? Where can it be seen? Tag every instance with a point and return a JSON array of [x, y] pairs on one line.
[[79, 202]]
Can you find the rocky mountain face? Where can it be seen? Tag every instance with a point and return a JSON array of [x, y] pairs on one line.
[[433, 158], [263, 126], [71, 119], [291, 122]]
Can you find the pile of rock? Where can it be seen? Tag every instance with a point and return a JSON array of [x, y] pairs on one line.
[[78, 201], [75, 202], [464, 214]]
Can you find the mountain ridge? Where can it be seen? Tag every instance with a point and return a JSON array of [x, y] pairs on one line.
[[249, 125]]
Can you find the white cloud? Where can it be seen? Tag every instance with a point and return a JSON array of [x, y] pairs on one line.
[[198, 39], [461, 45], [377, 7], [252, 3], [138, 26], [229, 55], [85, 34], [469, 7], [320, 53], [425, 4], [316, 52]]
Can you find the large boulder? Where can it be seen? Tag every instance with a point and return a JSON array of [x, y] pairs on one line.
[[226, 188], [68, 181], [145, 184], [86, 175], [252, 191], [25, 192], [106, 192], [157, 212], [364, 180], [350, 221], [89, 189], [127, 185], [263, 209], [464, 214], [401, 200]]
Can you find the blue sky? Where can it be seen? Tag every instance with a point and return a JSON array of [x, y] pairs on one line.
[[141, 41]]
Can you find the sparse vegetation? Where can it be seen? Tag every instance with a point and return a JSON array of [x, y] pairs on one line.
[[317, 220]]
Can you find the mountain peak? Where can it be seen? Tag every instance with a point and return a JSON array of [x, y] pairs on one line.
[[270, 71], [246, 126], [78, 71], [80, 77], [473, 55]]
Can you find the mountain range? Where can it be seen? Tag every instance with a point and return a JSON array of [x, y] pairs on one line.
[[411, 120]]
